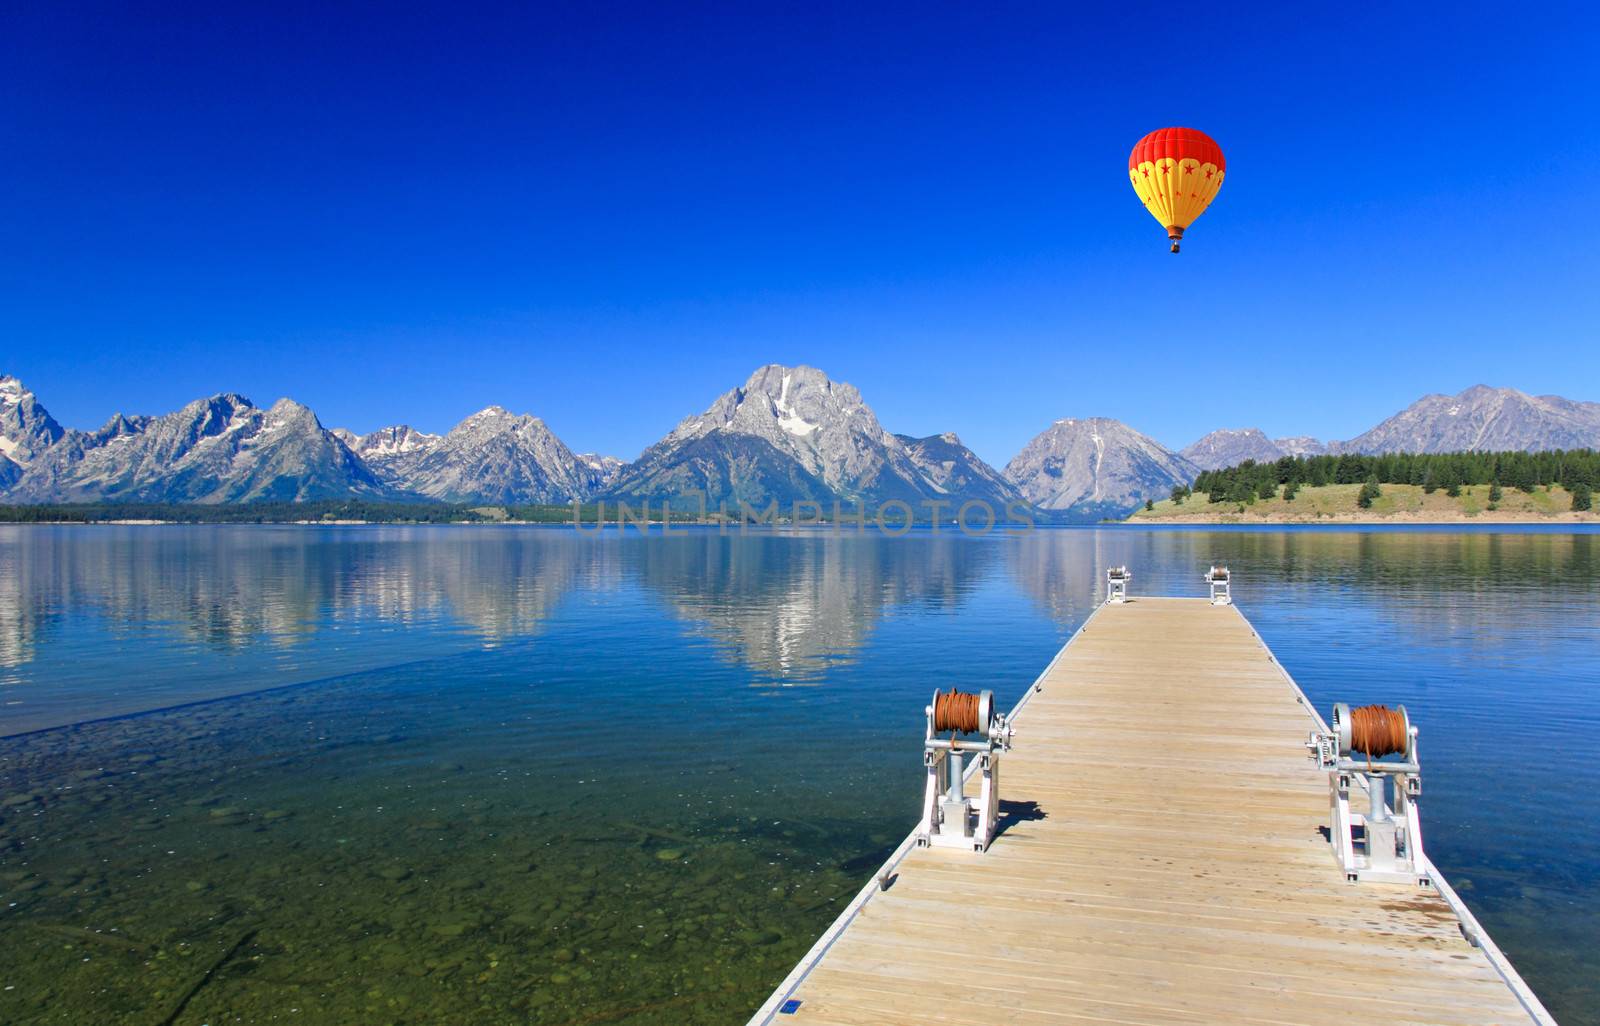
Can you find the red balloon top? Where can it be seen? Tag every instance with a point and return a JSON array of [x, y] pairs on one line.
[[1177, 143]]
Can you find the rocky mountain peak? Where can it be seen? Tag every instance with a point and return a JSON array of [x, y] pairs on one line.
[[1301, 445], [492, 456], [954, 470], [497, 415], [1095, 466], [120, 425], [822, 424], [386, 442], [26, 428], [1483, 418], [286, 414], [1229, 447], [801, 403], [602, 469], [787, 434], [496, 420]]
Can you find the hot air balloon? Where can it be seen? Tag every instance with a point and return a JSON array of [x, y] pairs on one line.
[[1176, 172]]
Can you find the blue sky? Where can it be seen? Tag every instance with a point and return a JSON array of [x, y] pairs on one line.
[[608, 215]]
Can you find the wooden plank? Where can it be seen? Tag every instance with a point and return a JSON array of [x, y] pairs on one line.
[[1176, 871]]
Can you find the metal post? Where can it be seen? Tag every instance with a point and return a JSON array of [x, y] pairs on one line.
[[1378, 811], [957, 793]]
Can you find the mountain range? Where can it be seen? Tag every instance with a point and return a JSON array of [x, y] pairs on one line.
[[787, 434], [1479, 418], [793, 434], [494, 456]]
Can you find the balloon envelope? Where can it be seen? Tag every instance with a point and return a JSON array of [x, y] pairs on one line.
[[1177, 173]]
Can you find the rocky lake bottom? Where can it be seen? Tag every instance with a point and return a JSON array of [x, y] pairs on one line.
[[167, 869]]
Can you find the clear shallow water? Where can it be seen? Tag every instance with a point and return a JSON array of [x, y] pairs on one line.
[[525, 775]]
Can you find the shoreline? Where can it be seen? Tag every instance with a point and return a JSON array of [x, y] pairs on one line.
[[1396, 504], [1347, 519]]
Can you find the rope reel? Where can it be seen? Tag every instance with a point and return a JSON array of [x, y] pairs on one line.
[[961, 712], [1372, 730]]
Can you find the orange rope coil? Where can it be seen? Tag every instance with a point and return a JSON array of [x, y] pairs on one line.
[[1377, 730], [957, 711]]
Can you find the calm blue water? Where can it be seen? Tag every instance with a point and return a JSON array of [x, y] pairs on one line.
[[484, 775]]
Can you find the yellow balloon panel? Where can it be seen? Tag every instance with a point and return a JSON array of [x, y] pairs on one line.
[[1176, 191]]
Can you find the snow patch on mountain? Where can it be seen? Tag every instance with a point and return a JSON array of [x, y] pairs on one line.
[[788, 419]]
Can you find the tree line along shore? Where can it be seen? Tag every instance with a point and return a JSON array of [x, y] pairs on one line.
[[892, 517], [323, 511], [1556, 485]]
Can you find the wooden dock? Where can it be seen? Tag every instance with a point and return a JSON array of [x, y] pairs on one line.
[[1162, 860]]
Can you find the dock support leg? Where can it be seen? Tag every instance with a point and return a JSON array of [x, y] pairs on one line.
[[1343, 825], [932, 793], [989, 803]]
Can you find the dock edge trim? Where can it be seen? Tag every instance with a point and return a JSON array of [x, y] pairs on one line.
[[803, 968], [1473, 930]]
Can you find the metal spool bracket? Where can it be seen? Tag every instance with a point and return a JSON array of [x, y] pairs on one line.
[[1384, 843], [1117, 578], [1219, 579], [951, 818]]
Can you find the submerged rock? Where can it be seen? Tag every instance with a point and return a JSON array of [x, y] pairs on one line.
[[758, 938]]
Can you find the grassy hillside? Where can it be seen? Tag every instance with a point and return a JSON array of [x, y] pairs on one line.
[[1399, 503]]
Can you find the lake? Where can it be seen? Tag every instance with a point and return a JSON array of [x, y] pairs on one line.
[[509, 775]]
